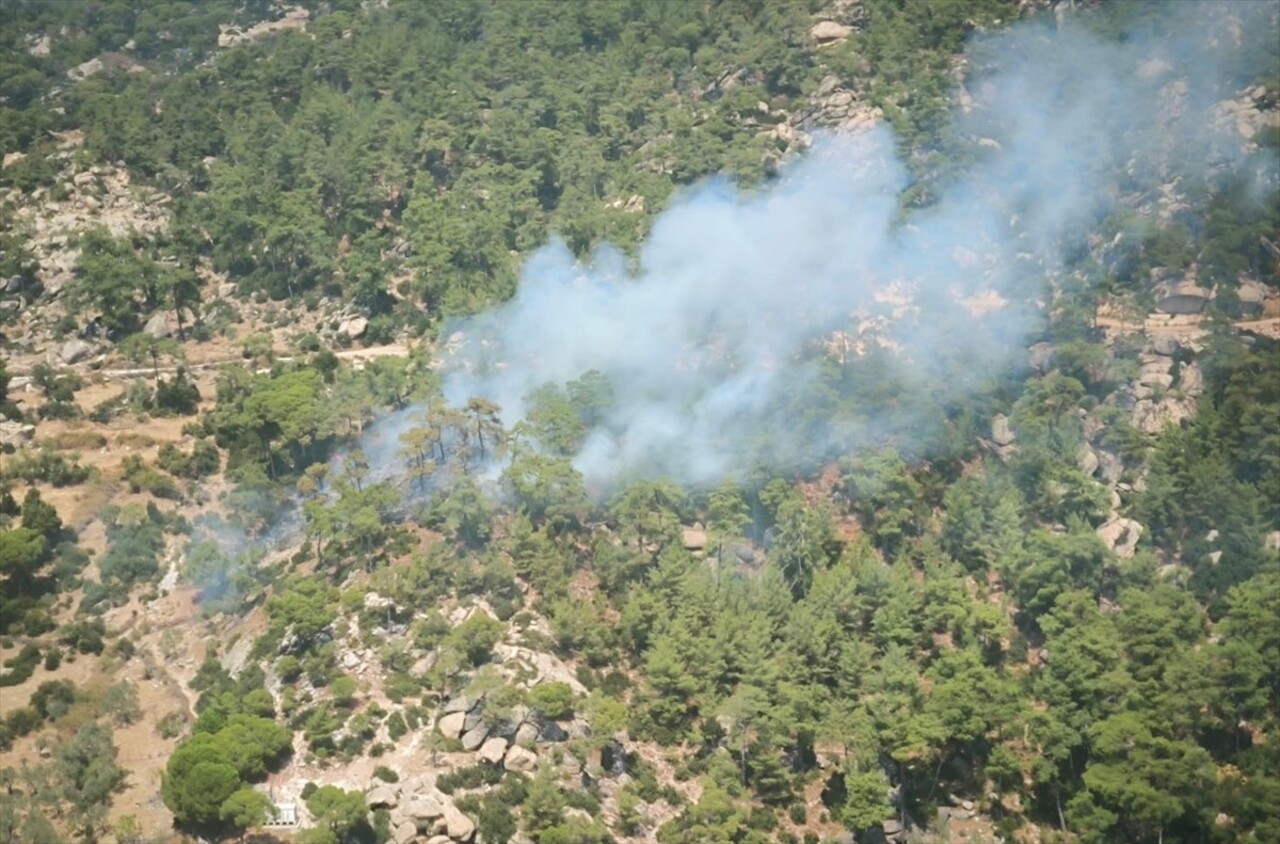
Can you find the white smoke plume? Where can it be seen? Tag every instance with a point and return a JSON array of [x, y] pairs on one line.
[[709, 338]]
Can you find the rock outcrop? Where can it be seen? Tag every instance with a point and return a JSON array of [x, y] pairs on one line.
[[421, 813], [1121, 535], [829, 32]]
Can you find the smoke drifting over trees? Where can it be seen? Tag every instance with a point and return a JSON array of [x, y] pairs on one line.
[[745, 311]]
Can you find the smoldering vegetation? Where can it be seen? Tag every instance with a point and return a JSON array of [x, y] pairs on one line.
[[862, 298], [818, 314]]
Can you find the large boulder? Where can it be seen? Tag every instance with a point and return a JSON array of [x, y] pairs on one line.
[[1151, 417], [526, 734], [451, 725], [382, 796], [493, 750], [423, 809], [829, 32], [158, 326], [1253, 297], [520, 759], [552, 732], [458, 826], [354, 327], [1089, 462], [474, 738], [1121, 535], [74, 351], [1185, 297], [461, 703], [405, 832], [1001, 432], [1191, 379], [473, 719], [693, 538], [1041, 357], [16, 434], [1111, 465]]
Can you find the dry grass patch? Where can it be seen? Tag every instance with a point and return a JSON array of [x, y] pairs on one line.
[[135, 439], [77, 440]]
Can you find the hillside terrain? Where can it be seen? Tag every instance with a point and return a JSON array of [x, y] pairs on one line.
[[733, 421]]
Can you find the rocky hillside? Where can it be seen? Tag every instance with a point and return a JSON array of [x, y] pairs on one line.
[[996, 554]]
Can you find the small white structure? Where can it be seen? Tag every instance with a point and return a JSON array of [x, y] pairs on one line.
[[286, 814]]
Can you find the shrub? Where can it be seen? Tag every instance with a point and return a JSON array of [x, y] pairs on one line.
[[203, 461], [177, 397], [84, 636], [552, 700], [171, 725], [472, 777], [143, 478], [21, 666], [52, 698], [45, 465]]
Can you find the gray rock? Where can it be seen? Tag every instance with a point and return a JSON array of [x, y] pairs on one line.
[[839, 99], [493, 750], [526, 734], [1111, 466], [451, 725], [1089, 462], [405, 832], [1121, 535], [354, 327], [519, 759], [1253, 297], [74, 351], [461, 703], [157, 326], [553, 732], [1150, 417], [1191, 379], [472, 739], [1001, 433], [423, 808], [16, 434], [694, 539], [382, 796], [1041, 357], [473, 719], [458, 826], [1182, 298], [829, 32]]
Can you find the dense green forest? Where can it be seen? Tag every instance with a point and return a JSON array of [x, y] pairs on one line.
[[1025, 610]]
